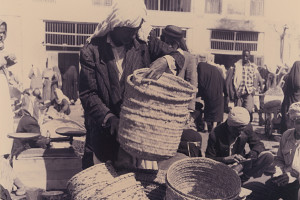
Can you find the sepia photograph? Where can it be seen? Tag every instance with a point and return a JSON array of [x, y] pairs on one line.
[[150, 99]]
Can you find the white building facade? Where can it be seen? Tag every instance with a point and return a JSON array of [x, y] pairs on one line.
[[51, 32]]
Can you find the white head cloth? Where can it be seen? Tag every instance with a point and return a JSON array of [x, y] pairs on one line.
[[238, 116], [294, 111], [124, 14], [60, 96]]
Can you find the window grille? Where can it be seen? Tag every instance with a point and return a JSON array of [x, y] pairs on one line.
[[234, 40], [169, 5], [213, 6], [45, 1], [102, 2], [67, 34], [257, 7]]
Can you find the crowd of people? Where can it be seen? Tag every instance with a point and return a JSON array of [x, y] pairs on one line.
[[124, 42]]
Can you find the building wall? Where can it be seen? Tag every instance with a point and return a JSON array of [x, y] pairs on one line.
[[26, 29]]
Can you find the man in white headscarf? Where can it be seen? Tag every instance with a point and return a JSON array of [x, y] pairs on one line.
[[227, 142], [120, 44]]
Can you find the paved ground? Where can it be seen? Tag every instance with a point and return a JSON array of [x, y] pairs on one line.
[[272, 145]]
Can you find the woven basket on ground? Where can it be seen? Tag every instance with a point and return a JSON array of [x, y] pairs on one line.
[[153, 115], [121, 187], [201, 178], [153, 182], [98, 174]]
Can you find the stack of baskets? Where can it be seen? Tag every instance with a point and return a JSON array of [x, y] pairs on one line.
[[153, 115], [153, 182], [201, 178], [102, 182]]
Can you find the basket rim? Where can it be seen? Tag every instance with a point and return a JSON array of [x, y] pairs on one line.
[[107, 164], [137, 73], [189, 195], [159, 96]]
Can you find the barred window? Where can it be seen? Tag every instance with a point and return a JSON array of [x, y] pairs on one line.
[[257, 7], [213, 6], [234, 40], [67, 33], [169, 5], [45, 1], [102, 2]]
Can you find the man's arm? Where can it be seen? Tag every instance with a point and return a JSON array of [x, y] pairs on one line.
[[158, 48], [254, 142], [211, 150], [91, 103]]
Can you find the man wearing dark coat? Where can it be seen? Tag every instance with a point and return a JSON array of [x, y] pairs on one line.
[[114, 52]]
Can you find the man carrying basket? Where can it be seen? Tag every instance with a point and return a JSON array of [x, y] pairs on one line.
[[121, 44]]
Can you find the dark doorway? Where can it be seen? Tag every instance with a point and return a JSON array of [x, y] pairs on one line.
[[228, 60], [68, 64], [65, 60]]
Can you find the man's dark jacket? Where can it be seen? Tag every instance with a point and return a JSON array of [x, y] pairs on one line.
[[218, 144], [101, 91]]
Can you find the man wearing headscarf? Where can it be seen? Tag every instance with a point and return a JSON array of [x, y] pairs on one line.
[[291, 92], [227, 142], [120, 44]]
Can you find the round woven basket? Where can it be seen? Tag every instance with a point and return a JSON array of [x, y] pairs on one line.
[[121, 187], [153, 115], [98, 174], [201, 178]]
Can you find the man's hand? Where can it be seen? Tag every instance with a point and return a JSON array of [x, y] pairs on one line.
[[281, 180], [236, 158], [113, 122], [252, 155], [157, 68]]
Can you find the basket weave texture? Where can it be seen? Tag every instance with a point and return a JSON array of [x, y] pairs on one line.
[[153, 115], [121, 187], [153, 181], [201, 178], [97, 175]]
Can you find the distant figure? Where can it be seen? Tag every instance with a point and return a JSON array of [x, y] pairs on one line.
[[70, 84], [36, 78], [6, 115], [47, 80], [211, 88], [61, 102], [56, 81], [291, 90], [243, 81]]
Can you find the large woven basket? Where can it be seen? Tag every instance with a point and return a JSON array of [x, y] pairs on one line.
[[153, 182], [153, 115], [98, 174], [201, 178], [121, 187]]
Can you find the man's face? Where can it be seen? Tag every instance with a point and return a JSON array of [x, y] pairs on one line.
[[236, 130], [246, 57], [125, 35], [297, 125], [2, 33]]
